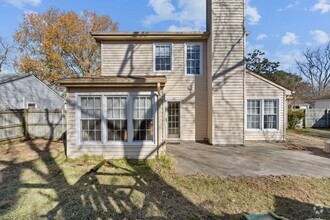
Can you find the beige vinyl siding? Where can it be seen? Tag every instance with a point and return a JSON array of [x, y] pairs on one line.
[[143, 151], [227, 72], [257, 88], [71, 120], [114, 152], [136, 58]]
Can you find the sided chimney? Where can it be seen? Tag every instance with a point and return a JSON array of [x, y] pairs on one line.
[[226, 70]]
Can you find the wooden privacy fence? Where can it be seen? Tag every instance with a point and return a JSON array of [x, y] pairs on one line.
[[18, 124], [316, 118]]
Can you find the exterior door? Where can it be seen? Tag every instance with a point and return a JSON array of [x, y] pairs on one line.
[[173, 120]]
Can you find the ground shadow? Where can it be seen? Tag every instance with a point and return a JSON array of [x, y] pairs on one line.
[[299, 210]]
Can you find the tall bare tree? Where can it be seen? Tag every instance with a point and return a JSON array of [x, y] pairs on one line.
[[5, 53], [315, 67]]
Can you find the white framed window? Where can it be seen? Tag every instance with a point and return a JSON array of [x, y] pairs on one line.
[[143, 120], [262, 114], [253, 114], [117, 118], [90, 122], [194, 59], [270, 114], [163, 57]]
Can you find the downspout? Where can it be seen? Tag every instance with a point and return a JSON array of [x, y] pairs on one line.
[[158, 118]]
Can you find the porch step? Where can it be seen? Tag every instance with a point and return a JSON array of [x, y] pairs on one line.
[[174, 141]]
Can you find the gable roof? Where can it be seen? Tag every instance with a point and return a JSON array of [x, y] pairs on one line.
[[145, 36], [6, 78], [288, 91]]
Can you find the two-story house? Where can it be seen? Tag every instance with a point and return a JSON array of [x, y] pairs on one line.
[[175, 86]]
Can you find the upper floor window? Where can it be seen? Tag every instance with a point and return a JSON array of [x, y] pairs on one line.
[[193, 62], [162, 57]]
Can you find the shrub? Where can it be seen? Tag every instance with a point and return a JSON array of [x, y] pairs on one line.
[[294, 117]]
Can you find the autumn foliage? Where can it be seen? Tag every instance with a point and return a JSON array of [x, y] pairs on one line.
[[58, 44]]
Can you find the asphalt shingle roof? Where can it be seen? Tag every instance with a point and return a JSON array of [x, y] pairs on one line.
[[11, 77]]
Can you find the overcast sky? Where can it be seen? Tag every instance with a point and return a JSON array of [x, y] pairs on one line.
[[281, 28]]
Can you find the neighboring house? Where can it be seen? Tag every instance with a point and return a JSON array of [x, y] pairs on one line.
[[322, 102], [157, 88], [22, 91]]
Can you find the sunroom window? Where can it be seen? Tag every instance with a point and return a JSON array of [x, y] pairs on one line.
[[143, 122], [117, 118], [91, 119]]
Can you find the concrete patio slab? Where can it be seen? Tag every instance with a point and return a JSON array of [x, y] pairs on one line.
[[257, 159]]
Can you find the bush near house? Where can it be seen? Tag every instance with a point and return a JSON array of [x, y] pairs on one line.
[[294, 118]]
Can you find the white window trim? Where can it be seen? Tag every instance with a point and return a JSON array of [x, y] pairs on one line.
[[277, 99], [78, 121], [166, 120], [105, 115], [201, 58], [104, 142], [154, 57]]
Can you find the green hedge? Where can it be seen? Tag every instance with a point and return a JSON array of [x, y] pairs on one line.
[[294, 117]]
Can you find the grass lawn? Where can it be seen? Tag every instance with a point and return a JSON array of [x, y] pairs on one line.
[[311, 133], [37, 181]]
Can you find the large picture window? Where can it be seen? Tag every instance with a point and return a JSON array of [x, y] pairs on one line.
[[117, 118], [262, 114], [162, 57], [143, 122], [193, 59], [91, 119], [127, 118]]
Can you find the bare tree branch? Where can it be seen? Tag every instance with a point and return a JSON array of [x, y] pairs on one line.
[[5, 50], [316, 69]]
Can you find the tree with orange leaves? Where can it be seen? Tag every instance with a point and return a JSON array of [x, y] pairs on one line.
[[58, 44]]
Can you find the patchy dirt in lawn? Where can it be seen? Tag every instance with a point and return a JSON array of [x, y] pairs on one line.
[[293, 146], [38, 182]]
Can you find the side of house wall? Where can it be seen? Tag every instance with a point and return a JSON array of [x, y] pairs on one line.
[[259, 89], [136, 59]]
